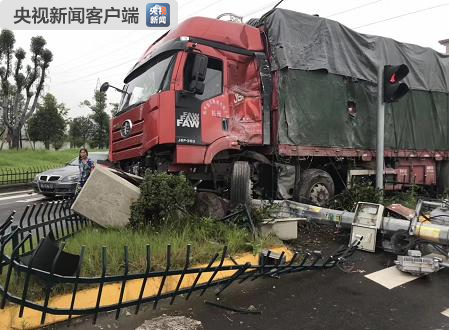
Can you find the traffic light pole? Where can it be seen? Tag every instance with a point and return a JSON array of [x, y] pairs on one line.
[[389, 89], [380, 130]]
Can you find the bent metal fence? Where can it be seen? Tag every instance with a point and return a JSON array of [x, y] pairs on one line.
[[10, 176], [222, 270]]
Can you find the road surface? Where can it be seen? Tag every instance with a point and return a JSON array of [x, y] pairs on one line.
[[18, 200], [329, 299]]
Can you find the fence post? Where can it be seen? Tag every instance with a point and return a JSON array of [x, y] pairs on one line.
[[15, 237]]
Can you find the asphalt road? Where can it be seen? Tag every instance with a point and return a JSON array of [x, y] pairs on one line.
[[17, 200], [328, 299]]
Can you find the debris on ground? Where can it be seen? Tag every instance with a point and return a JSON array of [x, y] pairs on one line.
[[166, 322], [250, 310], [311, 236]]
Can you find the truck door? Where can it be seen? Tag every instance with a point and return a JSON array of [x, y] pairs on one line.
[[198, 116], [229, 106], [245, 100]]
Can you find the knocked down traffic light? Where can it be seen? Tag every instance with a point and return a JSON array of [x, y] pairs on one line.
[[393, 90]]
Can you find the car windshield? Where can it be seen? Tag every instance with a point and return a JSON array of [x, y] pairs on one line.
[[153, 80], [94, 157]]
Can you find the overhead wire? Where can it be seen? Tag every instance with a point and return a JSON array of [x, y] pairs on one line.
[[123, 46], [264, 7], [402, 15], [89, 60], [100, 46], [353, 8], [127, 34], [94, 73]]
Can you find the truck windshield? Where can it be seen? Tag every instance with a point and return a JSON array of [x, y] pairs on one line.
[[155, 79]]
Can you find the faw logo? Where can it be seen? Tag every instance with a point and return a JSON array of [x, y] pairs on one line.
[[188, 119]]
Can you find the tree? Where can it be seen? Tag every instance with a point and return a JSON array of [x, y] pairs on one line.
[[20, 89], [100, 135], [48, 124], [80, 131]]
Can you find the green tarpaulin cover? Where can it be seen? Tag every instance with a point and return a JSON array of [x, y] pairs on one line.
[[325, 68]]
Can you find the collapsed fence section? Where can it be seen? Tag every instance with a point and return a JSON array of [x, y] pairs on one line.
[[37, 221], [11, 176], [129, 289]]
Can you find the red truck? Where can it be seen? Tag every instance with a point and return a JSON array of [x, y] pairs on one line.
[[283, 107]]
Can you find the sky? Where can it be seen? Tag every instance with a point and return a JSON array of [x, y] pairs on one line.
[[85, 59]]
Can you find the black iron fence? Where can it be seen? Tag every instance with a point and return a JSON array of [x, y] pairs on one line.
[[54, 222], [9, 176], [39, 220]]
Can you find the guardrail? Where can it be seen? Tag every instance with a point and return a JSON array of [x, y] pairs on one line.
[[222, 270], [10, 176]]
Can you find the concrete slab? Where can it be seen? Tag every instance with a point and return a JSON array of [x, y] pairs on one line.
[[106, 198], [391, 277], [284, 228], [445, 312]]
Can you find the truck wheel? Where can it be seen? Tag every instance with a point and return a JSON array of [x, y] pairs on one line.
[[316, 186], [240, 192]]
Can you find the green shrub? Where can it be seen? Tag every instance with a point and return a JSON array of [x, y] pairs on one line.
[[162, 196], [361, 192]]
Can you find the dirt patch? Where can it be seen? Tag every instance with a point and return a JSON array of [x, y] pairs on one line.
[[312, 237]]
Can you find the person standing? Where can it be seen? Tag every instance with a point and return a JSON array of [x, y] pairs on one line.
[[86, 166]]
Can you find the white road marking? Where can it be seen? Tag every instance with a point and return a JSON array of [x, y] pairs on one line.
[[31, 199], [16, 196], [391, 277], [16, 192]]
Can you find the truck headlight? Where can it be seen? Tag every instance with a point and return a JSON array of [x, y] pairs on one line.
[[71, 178]]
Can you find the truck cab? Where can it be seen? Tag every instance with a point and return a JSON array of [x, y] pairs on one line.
[[190, 97], [193, 99]]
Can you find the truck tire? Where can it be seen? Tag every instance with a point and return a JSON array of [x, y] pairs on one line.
[[443, 177], [240, 190], [316, 187]]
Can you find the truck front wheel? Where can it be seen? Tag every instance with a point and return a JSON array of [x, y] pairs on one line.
[[315, 186], [241, 187]]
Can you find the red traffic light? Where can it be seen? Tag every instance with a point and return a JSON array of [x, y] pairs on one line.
[[393, 78], [393, 90]]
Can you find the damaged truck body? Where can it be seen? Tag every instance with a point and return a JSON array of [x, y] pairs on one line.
[[283, 107]]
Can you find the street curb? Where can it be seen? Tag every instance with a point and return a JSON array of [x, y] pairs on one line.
[[87, 298], [14, 187]]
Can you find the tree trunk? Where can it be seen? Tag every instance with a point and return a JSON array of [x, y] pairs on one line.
[[47, 145], [14, 134]]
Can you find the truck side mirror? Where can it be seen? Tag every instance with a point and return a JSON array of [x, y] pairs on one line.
[[104, 87], [198, 74]]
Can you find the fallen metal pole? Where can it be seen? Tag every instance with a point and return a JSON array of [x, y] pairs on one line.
[[344, 219]]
